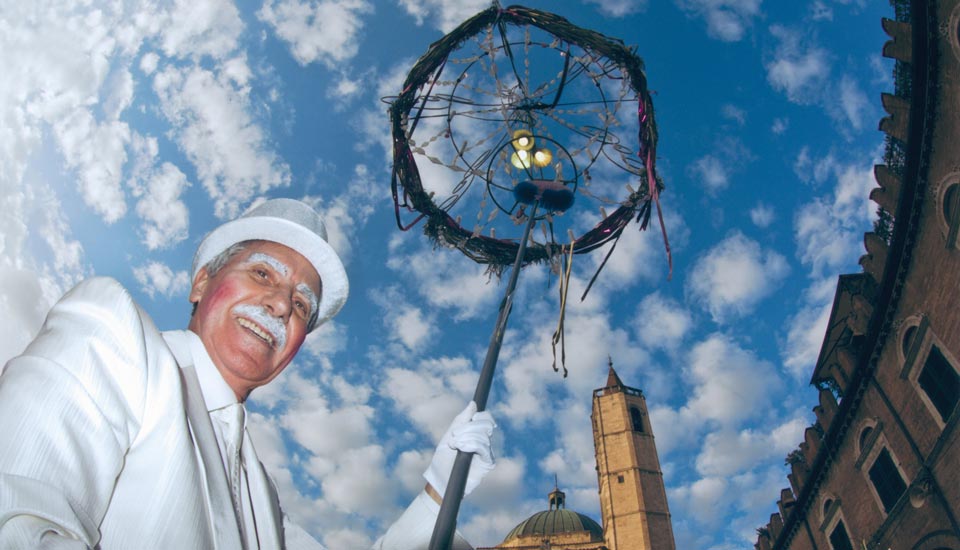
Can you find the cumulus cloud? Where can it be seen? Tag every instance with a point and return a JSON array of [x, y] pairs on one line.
[[731, 384], [780, 125], [96, 151], [444, 278], [347, 213], [807, 328], [157, 279], [166, 220], [762, 215], [734, 276], [433, 393], [661, 322], [197, 29], [715, 169], [854, 103], [328, 32], [727, 20], [445, 15], [829, 230], [798, 69], [734, 113], [214, 128], [725, 453], [619, 8]]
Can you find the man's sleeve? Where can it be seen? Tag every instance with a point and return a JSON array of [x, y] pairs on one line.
[[69, 410], [414, 528]]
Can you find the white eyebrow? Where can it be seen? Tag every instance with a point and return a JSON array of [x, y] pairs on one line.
[[305, 289], [277, 265]]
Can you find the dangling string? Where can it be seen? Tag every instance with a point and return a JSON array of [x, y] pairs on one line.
[[558, 335]]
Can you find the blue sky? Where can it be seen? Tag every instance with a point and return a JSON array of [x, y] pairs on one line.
[[131, 128]]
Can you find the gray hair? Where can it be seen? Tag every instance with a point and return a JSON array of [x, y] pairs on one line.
[[223, 258], [217, 263]]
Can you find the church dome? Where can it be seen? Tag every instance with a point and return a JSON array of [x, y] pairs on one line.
[[556, 521]]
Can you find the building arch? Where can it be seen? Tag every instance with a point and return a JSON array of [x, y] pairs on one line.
[[938, 540]]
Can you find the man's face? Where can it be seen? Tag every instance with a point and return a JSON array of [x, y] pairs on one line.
[[252, 315]]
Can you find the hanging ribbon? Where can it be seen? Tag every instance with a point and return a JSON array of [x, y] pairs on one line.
[[558, 335]]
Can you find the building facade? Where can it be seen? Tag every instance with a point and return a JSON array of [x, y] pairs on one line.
[[880, 467], [633, 500]]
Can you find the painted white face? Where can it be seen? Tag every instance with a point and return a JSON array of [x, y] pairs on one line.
[[254, 313]]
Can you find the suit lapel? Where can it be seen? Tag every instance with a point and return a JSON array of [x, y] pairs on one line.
[[226, 529]]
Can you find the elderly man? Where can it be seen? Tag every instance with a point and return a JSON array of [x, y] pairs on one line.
[[114, 435]]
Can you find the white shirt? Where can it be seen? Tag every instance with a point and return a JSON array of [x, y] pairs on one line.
[[229, 421]]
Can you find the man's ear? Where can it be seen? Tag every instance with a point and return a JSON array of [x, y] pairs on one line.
[[200, 283]]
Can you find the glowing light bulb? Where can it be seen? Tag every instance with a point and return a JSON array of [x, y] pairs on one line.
[[542, 157], [521, 159], [522, 140]]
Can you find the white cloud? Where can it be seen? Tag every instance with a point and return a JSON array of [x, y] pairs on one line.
[[780, 125], [525, 361], [821, 11], [433, 394], [734, 113], [327, 31], [97, 152], [732, 278], [715, 169], [661, 322], [800, 72], [807, 328], [195, 29], [215, 130], [412, 327], [166, 218], [853, 102], [346, 214], [829, 230], [711, 172], [619, 8], [156, 278], [444, 278], [446, 14], [731, 384], [725, 453], [148, 63], [727, 20], [762, 215]]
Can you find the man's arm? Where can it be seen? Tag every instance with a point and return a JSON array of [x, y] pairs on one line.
[[470, 432], [69, 409]]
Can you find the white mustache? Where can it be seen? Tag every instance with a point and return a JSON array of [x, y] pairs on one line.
[[260, 316]]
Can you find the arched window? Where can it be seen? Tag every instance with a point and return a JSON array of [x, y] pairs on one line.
[[637, 419]]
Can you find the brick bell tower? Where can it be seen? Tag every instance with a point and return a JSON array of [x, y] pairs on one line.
[[633, 500]]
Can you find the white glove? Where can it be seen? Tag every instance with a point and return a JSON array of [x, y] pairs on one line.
[[469, 432]]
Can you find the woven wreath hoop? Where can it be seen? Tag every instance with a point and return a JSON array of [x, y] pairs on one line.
[[407, 109]]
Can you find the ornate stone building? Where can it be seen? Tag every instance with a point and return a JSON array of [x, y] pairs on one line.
[[633, 501], [880, 468]]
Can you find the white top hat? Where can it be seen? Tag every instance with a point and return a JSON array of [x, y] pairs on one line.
[[293, 224]]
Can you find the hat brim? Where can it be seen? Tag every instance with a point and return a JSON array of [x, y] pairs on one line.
[[333, 277]]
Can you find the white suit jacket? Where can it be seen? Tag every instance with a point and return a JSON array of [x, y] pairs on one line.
[[97, 450], [95, 444]]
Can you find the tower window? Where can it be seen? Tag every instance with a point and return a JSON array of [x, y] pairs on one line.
[[940, 382], [620, 478], [839, 539], [637, 419], [886, 480]]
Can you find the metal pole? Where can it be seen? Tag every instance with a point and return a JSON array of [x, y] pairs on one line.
[[447, 518]]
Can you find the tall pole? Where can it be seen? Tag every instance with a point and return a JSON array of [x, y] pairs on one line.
[[447, 518]]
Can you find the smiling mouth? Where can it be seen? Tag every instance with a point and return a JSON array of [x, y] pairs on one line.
[[255, 328]]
